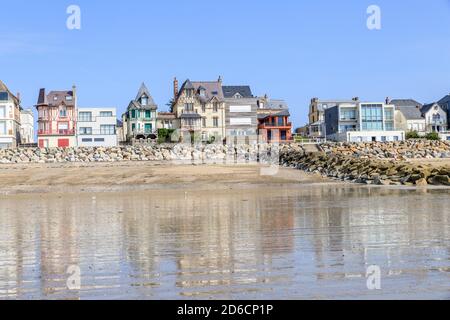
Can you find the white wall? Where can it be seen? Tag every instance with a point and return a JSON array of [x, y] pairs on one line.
[[96, 135]]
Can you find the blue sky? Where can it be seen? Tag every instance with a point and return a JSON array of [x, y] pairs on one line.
[[289, 49]]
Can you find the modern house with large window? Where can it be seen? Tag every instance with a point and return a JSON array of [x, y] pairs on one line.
[[362, 122], [97, 127], [9, 118], [139, 121], [57, 118]]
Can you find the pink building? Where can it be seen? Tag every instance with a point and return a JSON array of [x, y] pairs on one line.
[[57, 119]]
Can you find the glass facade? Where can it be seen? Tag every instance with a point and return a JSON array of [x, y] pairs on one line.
[[372, 117]]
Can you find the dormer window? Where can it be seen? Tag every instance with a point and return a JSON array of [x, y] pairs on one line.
[[238, 96], [202, 92], [144, 100], [4, 96], [189, 93], [55, 98], [69, 98]]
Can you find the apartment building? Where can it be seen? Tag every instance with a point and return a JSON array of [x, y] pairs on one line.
[[26, 126], [241, 119], [9, 118], [200, 106], [97, 127], [57, 118], [362, 122]]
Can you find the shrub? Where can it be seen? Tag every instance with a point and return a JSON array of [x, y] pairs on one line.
[[164, 135], [433, 136], [412, 135]]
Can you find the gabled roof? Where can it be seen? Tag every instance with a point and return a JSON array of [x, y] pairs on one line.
[[429, 106], [213, 89], [406, 103], [410, 113], [3, 87], [144, 91], [231, 91]]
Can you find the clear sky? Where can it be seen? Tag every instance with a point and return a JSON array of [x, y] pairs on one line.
[[289, 49]]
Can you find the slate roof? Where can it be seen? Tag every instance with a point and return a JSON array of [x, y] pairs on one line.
[[427, 107], [406, 103], [231, 91], [56, 98], [135, 104], [410, 113], [445, 101], [213, 89], [276, 104]]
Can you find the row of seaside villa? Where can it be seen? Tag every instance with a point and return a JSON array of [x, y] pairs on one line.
[[200, 111], [357, 121]]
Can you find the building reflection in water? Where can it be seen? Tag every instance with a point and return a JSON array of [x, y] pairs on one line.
[[256, 243]]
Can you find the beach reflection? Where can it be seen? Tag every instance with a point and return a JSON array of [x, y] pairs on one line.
[[312, 242]]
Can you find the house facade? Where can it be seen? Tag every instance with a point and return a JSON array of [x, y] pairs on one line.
[[139, 121], [317, 108], [362, 122], [9, 118], [408, 116], [445, 104], [57, 118], [200, 106], [26, 127], [97, 127], [241, 114], [435, 116], [274, 125]]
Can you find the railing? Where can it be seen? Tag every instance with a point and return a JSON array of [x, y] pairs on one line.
[[302, 140], [56, 132], [276, 125]]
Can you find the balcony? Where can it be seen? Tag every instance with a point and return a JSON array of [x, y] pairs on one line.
[[273, 125], [56, 132]]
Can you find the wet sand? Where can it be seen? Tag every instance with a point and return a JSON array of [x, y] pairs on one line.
[[216, 232], [134, 176]]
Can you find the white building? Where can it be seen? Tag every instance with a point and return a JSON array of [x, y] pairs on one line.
[[362, 122], [97, 127], [26, 126], [435, 117], [9, 118]]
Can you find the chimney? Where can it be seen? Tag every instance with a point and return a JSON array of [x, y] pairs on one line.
[[220, 79], [18, 96], [175, 88], [74, 94], [355, 99]]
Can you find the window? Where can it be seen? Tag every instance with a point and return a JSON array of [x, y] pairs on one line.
[[372, 117], [203, 107], [348, 114], [215, 106], [85, 116], [436, 117], [280, 121], [99, 139], [2, 112], [63, 112], [148, 114], [204, 122], [133, 127], [69, 98], [389, 114], [2, 127], [189, 93], [189, 107], [4, 96], [144, 100], [108, 129], [215, 122], [55, 98], [106, 114], [84, 131], [86, 140], [63, 127]]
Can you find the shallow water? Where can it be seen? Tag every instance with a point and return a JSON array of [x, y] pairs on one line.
[[313, 242]]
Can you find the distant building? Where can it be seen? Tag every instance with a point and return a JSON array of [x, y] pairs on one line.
[[445, 104], [317, 108], [9, 118], [362, 122], [97, 127], [435, 116], [408, 116], [26, 127], [57, 118], [200, 106], [241, 119], [273, 120], [139, 120]]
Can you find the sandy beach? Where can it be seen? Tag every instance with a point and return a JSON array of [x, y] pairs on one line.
[[129, 176]]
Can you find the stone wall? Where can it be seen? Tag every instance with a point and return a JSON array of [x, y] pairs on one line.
[[377, 163]]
